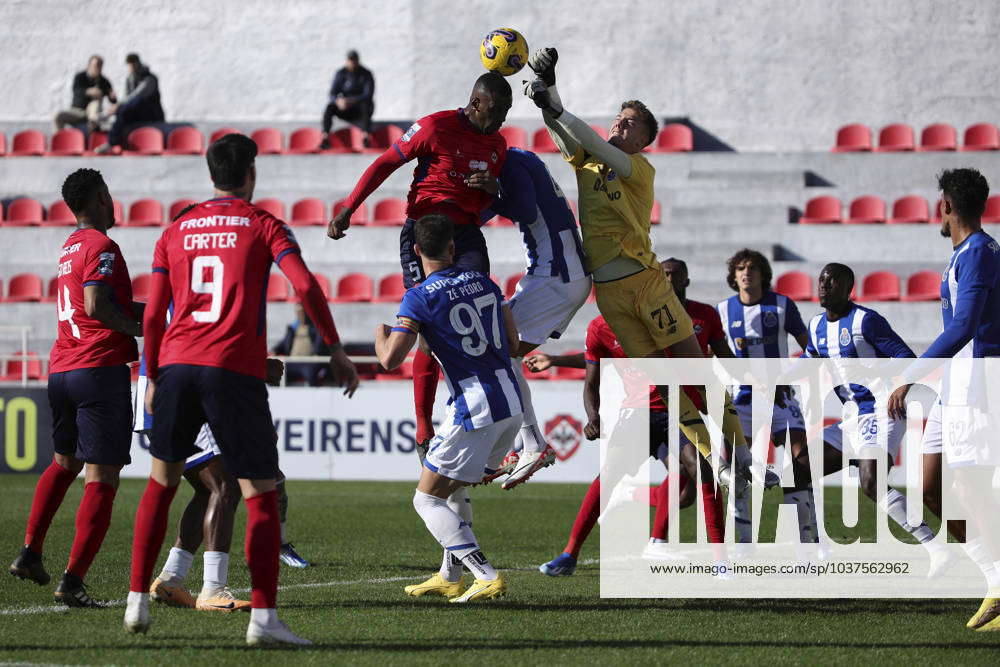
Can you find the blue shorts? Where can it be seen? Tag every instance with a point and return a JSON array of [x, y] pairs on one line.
[[92, 414], [233, 404], [470, 252]]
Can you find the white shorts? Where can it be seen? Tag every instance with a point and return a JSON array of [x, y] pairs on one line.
[[205, 441], [467, 455], [969, 442], [784, 418], [543, 306], [862, 431]]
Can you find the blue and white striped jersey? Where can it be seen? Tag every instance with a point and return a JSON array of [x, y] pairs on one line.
[[859, 334], [531, 197], [459, 314]]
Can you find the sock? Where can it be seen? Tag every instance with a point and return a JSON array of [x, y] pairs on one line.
[[283, 539], [92, 520], [893, 503], [282, 506], [711, 502], [661, 518], [529, 435], [461, 504], [453, 533], [216, 574], [805, 508], [425, 381], [976, 550], [150, 527], [49, 494], [178, 564], [586, 517], [263, 616], [743, 518], [262, 547]]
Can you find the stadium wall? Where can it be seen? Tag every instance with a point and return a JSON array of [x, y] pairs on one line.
[[758, 74]]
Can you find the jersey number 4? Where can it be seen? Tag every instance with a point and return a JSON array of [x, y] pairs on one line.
[[211, 264], [468, 320], [66, 310]]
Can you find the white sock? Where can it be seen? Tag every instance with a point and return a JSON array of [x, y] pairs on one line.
[[805, 508], [893, 503], [529, 435], [743, 518], [264, 616], [977, 551], [216, 574], [137, 598], [178, 564], [453, 533], [283, 540], [461, 504]]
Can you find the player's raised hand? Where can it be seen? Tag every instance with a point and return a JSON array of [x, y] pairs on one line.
[[538, 362], [342, 371], [543, 64], [483, 180], [539, 94], [339, 224]]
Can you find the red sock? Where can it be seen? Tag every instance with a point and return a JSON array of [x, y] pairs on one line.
[[715, 524], [92, 520], [263, 542], [590, 509], [150, 528], [49, 494], [425, 382], [661, 519]]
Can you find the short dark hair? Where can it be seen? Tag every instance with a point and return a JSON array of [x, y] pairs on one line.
[[80, 188], [841, 271], [676, 261], [353, 55], [967, 189], [133, 59], [645, 115], [744, 255], [229, 159], [96, 57], [495, 84], [433, 233]]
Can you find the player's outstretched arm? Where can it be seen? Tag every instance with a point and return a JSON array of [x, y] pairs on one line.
[[539, 362], [374, 176], [98, 304]]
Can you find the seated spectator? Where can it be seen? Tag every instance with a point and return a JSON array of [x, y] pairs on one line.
[[90, 87], [303, 339], [141, 103], [352, 98]]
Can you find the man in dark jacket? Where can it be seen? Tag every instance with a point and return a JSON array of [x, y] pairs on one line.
[[141, 103], [90, 87], [303, 339], [352, 97]]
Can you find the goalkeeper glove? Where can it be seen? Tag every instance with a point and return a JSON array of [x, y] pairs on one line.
[[543, 64], [539, 94]]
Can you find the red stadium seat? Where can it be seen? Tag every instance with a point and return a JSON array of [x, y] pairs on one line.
[[923, 286], [23, 212], [277, 288], [185, 141], [324, 285], [866, 210], [897, 137], [382, 138], [346, 140], [95, 139], [16, 367], [360, 215], [880, 286], [67, 141], [515, 136], [177, 207], [853, 138], [304, 140], [25, 287], [50, 293], [602, 132], [59, 215], [308, 211], [144, 141], [275, 207], [3, 143], [541, 142], [674, 138], [939, 137], [28, 142], [796, 285], [909, 209], [269, 141], [354, 288], [991, 214], [390, 212], [511, 285], [221, 132], [145, 213], [119, 212], [654, 214], [821, 210], [140, 287], [390, 289], [981, 137]]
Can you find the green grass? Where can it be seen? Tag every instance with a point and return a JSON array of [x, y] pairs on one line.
[[360, 531]]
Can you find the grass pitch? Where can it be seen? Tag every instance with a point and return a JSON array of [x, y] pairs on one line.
[[366, 542]]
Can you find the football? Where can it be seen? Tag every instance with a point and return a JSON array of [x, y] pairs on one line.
[[504, 50]]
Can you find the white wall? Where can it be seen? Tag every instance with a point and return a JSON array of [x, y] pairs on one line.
[[761, 74]]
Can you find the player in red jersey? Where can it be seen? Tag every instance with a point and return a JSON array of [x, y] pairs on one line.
[[209, 365], [452, 148], [602, 343], [89, 387]]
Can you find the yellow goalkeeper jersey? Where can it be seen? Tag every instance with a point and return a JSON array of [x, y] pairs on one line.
[[614, 212]]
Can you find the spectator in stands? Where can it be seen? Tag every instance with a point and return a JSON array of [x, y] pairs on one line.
[[90, 87], [303, 339], [352, 98], [141, 103]]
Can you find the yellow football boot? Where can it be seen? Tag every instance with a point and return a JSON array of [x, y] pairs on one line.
[[436, 585], [483, 590]]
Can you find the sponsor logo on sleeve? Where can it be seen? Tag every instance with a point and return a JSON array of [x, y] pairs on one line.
[[410, 132], [106, 263]]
